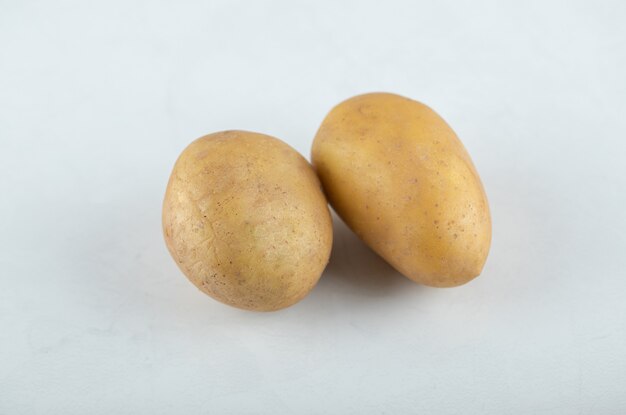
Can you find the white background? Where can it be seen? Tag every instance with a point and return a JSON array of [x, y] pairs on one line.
[[97, 99]]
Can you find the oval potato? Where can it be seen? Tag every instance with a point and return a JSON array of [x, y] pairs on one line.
[[400, 178], [245, 219]]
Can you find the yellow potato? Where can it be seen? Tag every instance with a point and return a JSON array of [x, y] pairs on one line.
[[400, 178], [245, 219]]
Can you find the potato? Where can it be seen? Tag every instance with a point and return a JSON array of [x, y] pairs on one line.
[[245, 219], [400, 178]]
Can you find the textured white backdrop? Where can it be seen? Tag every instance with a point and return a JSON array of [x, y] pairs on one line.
[[97, 99]]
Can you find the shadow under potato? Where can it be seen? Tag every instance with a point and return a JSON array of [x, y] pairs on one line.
[[354, 264]]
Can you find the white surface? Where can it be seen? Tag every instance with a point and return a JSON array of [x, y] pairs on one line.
[[97, 99]]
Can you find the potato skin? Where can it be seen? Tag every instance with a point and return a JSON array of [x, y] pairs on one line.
[[400, 178], [245, 219]]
